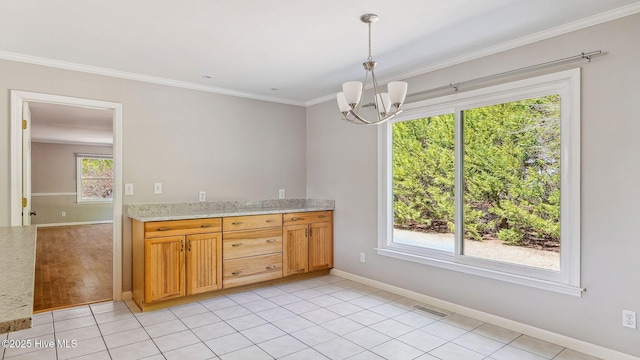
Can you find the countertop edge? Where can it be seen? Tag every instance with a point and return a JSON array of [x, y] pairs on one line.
[[185, 211], [18, 266]]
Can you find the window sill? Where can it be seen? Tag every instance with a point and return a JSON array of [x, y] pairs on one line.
[[491, 274], [93, 202]]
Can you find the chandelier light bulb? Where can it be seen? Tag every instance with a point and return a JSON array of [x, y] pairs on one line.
[[342, 103], [397, 92], [352, 92]]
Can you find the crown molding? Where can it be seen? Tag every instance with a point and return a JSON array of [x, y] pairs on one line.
[[508, 45], [404, 74], [139, 77]]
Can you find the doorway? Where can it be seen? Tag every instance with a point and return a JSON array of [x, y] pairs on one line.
[[20, 191]]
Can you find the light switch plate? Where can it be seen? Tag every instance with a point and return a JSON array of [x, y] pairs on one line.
[[128, 189], [157, 188], [202, 196]]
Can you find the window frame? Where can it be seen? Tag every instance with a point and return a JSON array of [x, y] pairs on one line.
[[79, 158], [567, 279]]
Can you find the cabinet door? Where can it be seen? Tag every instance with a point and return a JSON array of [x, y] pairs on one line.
[[204, 263], [164, 268], [320, 246], [296, 249]]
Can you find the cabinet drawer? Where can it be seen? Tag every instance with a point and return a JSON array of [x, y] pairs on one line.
[[250, 270], [239, 244], [235, 223], [181, 227], [307, 217]]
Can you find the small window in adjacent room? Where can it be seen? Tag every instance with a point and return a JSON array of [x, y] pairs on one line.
[[488, 182], [94, 178]]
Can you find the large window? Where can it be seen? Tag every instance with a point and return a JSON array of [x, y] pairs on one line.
[[487, 182], [94, 178]]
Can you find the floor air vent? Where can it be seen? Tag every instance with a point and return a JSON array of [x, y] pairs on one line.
[[430, 311]]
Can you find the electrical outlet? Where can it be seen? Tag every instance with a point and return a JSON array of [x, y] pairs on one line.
[[361, 257], [128, 189], [629, 319], [202, 196], [281, 194], [64, 213], [157, 188]]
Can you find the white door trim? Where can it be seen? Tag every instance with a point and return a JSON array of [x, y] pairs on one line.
[[18, 98]]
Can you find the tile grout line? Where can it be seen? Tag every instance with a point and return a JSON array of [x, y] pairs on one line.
[[100, 331]]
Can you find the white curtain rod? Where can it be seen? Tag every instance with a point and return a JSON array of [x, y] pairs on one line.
[[455, 86]]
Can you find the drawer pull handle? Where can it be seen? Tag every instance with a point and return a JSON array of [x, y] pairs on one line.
[[236, 273], [271, 267], [322, 216], [236, 245], [237, 223], [271, 240], [296, 218], [271, 220], [206, 225], [163, 228]]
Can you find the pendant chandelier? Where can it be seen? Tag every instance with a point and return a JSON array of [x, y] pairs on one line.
[[350, 100]]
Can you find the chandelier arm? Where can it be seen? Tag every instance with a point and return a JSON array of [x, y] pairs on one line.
[[363, 120], [380, 108], [367, 122]]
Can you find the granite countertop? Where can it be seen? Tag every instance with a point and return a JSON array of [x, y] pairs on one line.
[[17, 269], [212, 209]]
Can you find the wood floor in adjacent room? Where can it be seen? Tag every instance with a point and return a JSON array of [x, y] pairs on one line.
[[74, 265]]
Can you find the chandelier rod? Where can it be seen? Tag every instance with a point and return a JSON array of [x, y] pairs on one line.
[[582, 56]]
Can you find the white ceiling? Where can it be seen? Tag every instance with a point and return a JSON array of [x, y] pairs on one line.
[[63, 124], [304, 49]]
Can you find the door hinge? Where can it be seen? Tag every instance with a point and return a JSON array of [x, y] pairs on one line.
[[24, 124], [24, 202]]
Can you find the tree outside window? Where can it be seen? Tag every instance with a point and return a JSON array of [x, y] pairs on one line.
[[95, 178]]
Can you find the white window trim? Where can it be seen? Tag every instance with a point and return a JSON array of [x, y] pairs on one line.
[[79, 199], [567, 280]]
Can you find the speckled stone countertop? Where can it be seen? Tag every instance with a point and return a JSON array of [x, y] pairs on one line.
[[199, 210], [17, 271]]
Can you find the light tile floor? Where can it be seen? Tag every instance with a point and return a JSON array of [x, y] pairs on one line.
[[326, 317]]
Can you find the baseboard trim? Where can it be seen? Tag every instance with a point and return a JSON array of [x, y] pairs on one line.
[[126, 295], [75, 223], [562, 340]]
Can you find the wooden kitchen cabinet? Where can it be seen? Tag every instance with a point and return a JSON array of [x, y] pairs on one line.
[[164, 268], [204, 263], [308, 242], [296, 249], [179, 261], [252, 249], [175, 258]]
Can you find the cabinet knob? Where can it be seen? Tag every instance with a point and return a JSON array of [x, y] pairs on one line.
[[236, 273], [271, 220], [271, 240], [271, 267], [166, 228], [296, 218], [236, 244], [237, 223], [206, 225]]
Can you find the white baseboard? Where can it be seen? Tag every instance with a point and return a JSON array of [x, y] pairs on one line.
[[75, 223], [562, 340]]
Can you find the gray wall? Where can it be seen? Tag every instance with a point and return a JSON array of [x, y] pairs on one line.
[[53, 171], [342, 165], [233, 148]]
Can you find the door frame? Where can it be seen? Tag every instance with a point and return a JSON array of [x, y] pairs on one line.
[[18, 98]]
